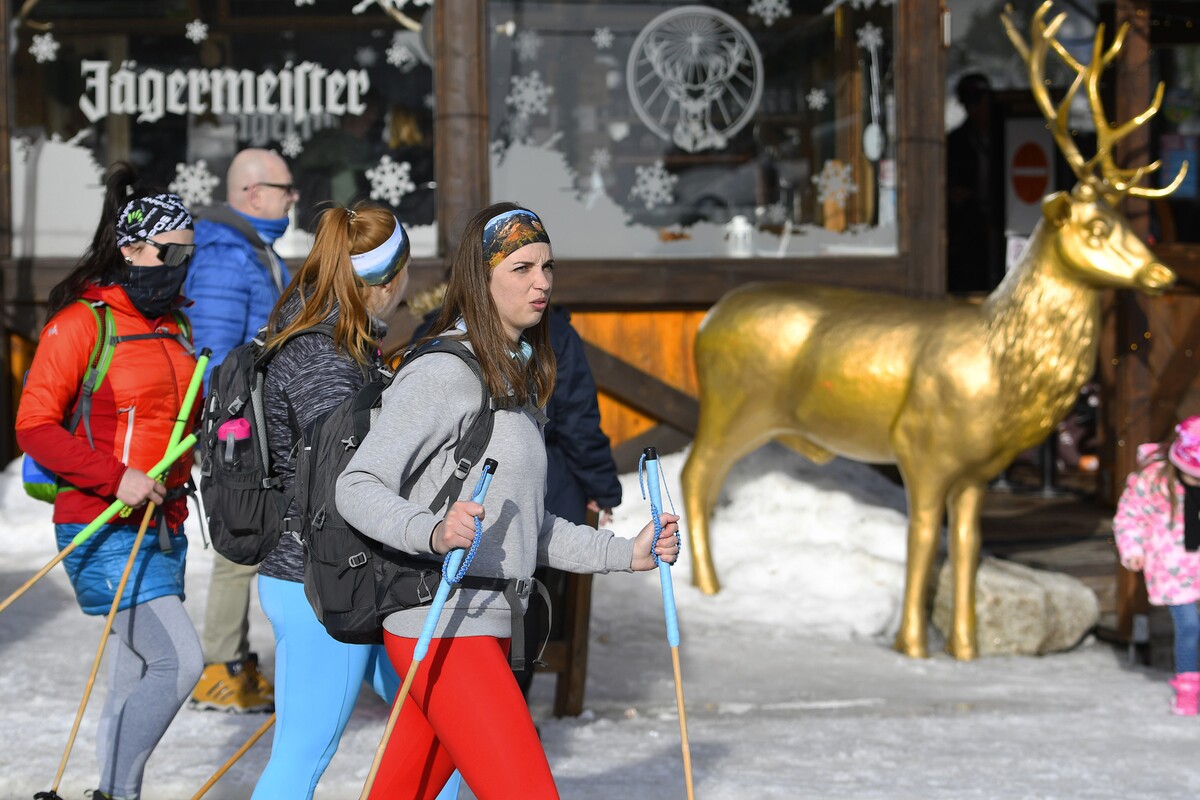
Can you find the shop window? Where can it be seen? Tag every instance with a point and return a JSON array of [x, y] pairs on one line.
[[1176, 128], [654, 129], [347, 100]]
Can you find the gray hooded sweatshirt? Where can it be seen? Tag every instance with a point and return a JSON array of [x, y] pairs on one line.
[[425, 412]]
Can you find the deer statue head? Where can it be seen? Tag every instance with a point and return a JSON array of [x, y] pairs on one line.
[[948, 391], [1094, 239]]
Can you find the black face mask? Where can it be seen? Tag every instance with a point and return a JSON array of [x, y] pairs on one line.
[[153, 290]]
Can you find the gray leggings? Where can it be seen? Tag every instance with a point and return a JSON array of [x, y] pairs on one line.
[[154, 662]]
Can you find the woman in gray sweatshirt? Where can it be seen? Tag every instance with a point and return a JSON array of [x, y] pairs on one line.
[[466, 710]]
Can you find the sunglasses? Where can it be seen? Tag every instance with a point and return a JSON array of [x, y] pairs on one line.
[[288, 188], [173, 255]]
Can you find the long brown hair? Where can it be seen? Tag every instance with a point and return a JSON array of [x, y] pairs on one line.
[[327, 278], [469, 296]]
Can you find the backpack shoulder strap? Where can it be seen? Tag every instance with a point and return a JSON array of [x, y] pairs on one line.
[[98, 364], [474, 443]]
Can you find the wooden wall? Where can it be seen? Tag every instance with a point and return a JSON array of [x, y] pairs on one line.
[[656, 342]]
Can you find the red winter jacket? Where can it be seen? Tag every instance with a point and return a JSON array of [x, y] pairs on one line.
[[133, 410]]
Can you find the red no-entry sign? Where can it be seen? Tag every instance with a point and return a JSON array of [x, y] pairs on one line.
[[1030, 171]]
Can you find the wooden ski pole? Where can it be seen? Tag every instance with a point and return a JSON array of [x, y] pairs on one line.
[[254, 737], [108, 621], [453, 562], [155, 472], [650, 458]]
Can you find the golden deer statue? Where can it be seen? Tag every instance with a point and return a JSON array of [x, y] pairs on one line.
[[949, 391]]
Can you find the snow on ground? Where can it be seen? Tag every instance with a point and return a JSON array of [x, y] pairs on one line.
[[791, 688]]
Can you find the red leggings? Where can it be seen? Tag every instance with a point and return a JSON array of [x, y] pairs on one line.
[[463, 710]]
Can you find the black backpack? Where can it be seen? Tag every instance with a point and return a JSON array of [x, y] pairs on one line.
[[352, 581], [243, 498]]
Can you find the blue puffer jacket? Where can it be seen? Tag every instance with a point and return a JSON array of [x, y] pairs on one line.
[[95, 566], [231, 288]]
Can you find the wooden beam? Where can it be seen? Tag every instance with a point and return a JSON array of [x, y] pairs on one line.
[[920, 151], [642, 391], [1175, 378], [7, 411], [460, 148], [1129, 422]]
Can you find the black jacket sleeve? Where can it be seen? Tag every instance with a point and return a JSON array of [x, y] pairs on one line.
[[574, 428]]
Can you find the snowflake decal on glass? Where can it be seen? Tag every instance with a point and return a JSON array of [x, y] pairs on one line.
[[816, 99], [44, 48], [770, 10], [366, 57], [603, 38], [197, 31], [529, 94], [601, 159], [653, 185], [870, 37], [430, 101], [528, 45], [777, 213], [862, 4], [194, 183], [390, 180], [305, 3], [292, 145], [399, 55], [836, 183]]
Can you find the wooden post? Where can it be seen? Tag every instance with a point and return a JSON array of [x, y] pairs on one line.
[[1129, 418], [921, 149], [8, 414], [460, 149]]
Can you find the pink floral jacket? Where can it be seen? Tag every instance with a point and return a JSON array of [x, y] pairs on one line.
[[1144, 527]]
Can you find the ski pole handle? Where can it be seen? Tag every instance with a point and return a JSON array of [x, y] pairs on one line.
[[189, 397], [454, 560], [173, 455], [664, 569]]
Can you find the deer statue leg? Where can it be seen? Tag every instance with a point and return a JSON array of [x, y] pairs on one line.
[[724, 435], [964, 505], [926, 499]]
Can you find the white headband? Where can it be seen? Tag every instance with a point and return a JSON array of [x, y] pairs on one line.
[[377, 267]]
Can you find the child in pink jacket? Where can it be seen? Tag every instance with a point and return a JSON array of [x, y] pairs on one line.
[[1157, 528]]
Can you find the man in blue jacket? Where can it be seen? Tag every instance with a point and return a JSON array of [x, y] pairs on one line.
[[234, 279]]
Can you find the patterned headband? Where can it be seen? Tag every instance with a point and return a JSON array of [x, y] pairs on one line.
[[145, 217], [506, 233], [378, 266]]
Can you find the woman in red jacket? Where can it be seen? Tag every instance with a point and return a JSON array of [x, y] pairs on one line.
[[100, 444]]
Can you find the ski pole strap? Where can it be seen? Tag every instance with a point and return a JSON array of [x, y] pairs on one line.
[[485, 480], [650, 460], [451, 566]]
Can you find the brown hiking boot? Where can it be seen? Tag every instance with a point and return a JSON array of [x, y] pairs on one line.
[[236, 686]]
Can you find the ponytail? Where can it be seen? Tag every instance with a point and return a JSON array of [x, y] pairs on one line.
[[327, 280]]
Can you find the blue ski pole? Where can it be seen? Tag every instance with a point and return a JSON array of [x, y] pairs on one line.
[[453, 569], [650, 461]]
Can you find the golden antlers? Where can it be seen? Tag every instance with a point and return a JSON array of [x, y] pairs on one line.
[[1100, 171]]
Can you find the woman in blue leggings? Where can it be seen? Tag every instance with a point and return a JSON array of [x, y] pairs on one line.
[[354, 277]]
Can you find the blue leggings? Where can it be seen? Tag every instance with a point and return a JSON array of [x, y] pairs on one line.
[[1187, 637], [317, 680]]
